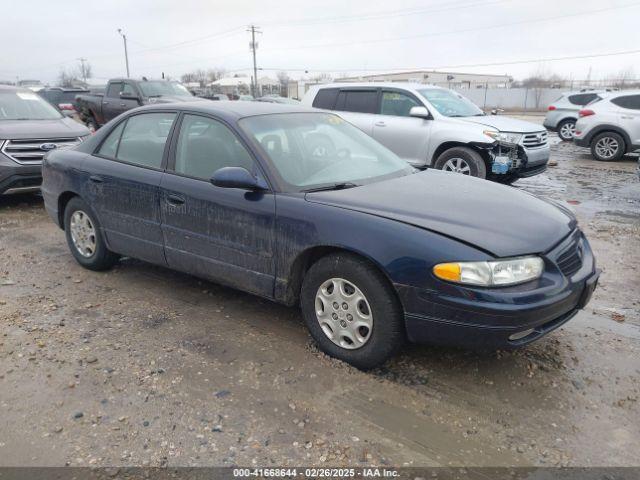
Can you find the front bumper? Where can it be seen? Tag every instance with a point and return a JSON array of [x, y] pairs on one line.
[[16, 178], [487, 318]]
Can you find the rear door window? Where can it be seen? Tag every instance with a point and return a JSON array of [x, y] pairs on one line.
[[142, 140], [631, 102], [114, 89], [361, 101], [325, 98]]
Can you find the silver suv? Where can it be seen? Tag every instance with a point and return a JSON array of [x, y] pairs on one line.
[[433, 126], [562, 114], [610, 125]]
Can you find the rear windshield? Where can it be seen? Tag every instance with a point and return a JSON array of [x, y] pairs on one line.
[[25, 105]]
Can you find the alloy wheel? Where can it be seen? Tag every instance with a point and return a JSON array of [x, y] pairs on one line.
[[567, 130], [607, 147], [344, 313], [457, 165], [83, 233]]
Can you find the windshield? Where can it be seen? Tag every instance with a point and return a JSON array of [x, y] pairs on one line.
[[450, 104], [21, 105], [316, 149], [161, 88]]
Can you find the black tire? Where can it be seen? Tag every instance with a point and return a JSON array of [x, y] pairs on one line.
[[92, 125], [475, 162], [562, 127], [101, 258], [611, 137], [387, 334]]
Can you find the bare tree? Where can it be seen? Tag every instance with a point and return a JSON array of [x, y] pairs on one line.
[[67, 78], [84, 69]]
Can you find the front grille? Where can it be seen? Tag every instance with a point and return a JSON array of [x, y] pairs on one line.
[[569, 261], [29, 151], [534, 140]]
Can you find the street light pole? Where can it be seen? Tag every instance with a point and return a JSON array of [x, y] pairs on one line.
[[126, 55]]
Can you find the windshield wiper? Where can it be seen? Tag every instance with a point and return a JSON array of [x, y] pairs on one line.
[[334, 186]]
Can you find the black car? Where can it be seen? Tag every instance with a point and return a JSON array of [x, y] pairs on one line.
[[299, 206]]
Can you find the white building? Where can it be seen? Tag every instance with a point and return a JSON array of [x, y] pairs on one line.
[[443, 79]]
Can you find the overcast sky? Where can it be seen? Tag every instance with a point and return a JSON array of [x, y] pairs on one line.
[[40, 37]]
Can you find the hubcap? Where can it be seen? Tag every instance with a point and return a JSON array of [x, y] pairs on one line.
[[343, 313], [83, 233], [568, 130], [607, 147], [458, 165]]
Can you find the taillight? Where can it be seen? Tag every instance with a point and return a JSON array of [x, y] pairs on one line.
[[66, 106], [551, 108], [586, 112]]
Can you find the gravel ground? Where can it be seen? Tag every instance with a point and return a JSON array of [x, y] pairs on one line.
[[145, 366]]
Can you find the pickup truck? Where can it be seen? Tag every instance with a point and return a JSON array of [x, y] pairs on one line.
[[122, 94]]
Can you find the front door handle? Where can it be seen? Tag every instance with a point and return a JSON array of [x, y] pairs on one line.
[[123, 104], [175, 200], [105, 103], [626, 117], [380, 124], [96, 179]]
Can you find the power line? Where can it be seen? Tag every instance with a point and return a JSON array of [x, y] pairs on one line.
[[468, 65], [450, 32], [383, 15]]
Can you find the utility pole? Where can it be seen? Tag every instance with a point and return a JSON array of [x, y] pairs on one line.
[[253, 45], [126, 55], [83, 69]]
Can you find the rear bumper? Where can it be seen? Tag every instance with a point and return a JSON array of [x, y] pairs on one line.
[[581, 142], [497, 318]]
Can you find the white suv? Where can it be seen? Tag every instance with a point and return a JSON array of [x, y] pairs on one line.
[[610, 125], [433, 126], [562, 114]]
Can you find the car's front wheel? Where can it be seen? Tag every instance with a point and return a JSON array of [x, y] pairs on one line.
[[462, 160], [352, 311], [84, 236], [608, 147], [566, 130]]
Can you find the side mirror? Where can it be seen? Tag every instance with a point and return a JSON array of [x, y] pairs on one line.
[[129, 96], [419, 112], [237, 177]]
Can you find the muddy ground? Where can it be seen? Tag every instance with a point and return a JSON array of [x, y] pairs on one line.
[[144, 366]]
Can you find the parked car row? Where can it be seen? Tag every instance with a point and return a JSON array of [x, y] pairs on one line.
[[375, 251], [606, 122]]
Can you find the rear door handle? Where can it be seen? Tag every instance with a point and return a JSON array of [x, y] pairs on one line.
[[175, 200], [626, 117], [123, 104], [96, 179], [380, 124], [105, 103]]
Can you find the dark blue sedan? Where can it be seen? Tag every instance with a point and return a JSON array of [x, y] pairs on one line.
[[300, 207]]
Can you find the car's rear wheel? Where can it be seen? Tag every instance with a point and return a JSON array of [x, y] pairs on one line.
[[84, 236], [462, 160], [566, 130], [608, 147], [92, 125], [352, 311]]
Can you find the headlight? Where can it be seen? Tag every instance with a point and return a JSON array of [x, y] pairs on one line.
[[491, 274], [504, 137]]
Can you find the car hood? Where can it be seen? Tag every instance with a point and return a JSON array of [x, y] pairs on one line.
[[498, 219], [175, 99], [41, 129], [504, 124]]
